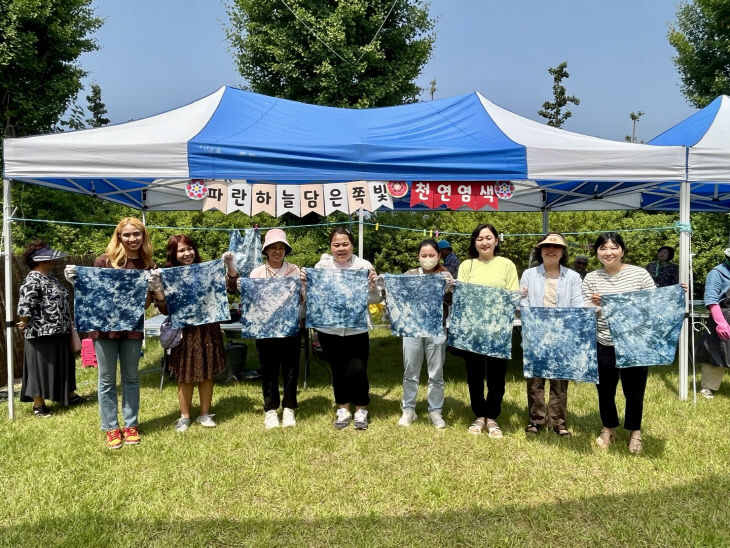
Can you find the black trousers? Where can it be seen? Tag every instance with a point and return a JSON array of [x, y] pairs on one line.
[[633, 384], [348, 357], [279, 355], [479, 367]]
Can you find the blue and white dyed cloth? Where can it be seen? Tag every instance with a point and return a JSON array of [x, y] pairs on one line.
[[481, 319], [645, 325], [196, 293], [415, 304], [109, 299], [559, 343], [246, 250], [270, 307], [337, 298]]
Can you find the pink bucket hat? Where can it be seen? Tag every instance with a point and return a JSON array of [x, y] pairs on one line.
[[276, 235]]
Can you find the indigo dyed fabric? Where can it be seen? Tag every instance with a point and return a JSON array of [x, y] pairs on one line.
[[196, 293], [645, 325], [337, 298], [109, 299], [559, 343], [246, 250], [415, 304], [270, 307], [481, 319]]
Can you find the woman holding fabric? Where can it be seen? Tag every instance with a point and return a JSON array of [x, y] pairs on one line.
[[433, 348], [716, 342], [550, 284], [200, 355], [346, 349], [616, 277], [129, 248], [49, 365], [486, 267], [278, 354]]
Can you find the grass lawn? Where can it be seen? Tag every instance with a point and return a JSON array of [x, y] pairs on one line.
[[238, 485]]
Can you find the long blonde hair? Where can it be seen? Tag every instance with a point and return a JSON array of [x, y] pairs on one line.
[[116, 255]]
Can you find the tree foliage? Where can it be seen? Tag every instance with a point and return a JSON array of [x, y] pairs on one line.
[[96, 108], [553, 110], [353, 53], [701, 37], [40, 43]]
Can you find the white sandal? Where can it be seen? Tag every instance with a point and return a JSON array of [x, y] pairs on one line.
[[493, 429], [477, 427]]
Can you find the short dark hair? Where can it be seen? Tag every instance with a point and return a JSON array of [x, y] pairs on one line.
[[473, 253], [341, 230], [172, 245], [30, 248], [670, 251], [614, 237], [429, 242]]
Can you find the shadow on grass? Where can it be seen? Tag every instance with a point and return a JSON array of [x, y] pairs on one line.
[[688, 514]]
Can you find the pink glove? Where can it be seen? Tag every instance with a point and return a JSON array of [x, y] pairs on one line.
[[723, 329]]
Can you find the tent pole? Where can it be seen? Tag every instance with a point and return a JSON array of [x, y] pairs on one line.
[[360, 245], [684, 219], [545, 223], [7, 213]]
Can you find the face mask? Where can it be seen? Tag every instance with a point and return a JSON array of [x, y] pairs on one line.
[[428, 263]]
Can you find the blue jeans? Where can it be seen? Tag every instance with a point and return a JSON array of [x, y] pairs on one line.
[[128, 352], [414, 350]]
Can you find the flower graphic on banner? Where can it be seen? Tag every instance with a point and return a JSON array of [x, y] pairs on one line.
[[270, 307], [481, 319], [645, 325], [109, 299], [415, 304], [559, 343], [196, 189], [196, 293], [504, 190], [397, 189], [337, 298]]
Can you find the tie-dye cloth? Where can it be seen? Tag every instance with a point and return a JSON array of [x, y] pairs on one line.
[[337, 298], [246, 250], [559, 343], [645, 325], [415, 304], [481, 319], [109, 299], [196, 293], [270, 307]]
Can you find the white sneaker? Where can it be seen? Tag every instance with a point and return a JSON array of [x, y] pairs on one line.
[[343, 418], [437, 420], [182, 424], [206, 420], [408, 417], [361, 419], [287, 419], [707, 393], [271, 420]]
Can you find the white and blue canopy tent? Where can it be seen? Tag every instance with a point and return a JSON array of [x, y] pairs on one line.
[[233, 134]]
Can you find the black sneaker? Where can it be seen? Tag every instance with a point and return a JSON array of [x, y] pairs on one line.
[[76, 400], [42, 411]]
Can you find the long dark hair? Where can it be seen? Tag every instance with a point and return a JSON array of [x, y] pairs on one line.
[[429, 242], [172, 245], [473, 253]]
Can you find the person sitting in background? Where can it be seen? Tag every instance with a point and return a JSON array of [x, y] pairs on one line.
[[716, 343], [580, 265], [451, 261], [662, 271]]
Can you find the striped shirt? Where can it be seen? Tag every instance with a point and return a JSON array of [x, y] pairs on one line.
[[629, 278]]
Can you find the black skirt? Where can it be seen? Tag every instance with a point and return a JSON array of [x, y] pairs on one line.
[[49, 369]]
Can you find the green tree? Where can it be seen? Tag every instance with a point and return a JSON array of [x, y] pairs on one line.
[[96, 108], [553, 110], [701, 37], [634, 117], [40, 43], [359, 53]]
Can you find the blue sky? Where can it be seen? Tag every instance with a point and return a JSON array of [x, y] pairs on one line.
[[160, 54]]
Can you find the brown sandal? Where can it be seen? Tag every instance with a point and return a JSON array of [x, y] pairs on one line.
[[562, 431], [605, 438], [636, 444]]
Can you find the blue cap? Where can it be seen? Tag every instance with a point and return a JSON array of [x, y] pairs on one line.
[[443, 244]]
